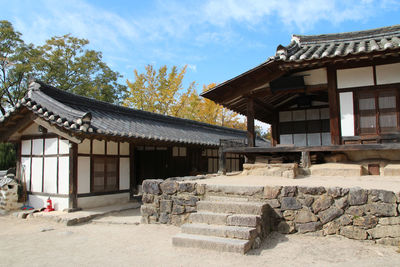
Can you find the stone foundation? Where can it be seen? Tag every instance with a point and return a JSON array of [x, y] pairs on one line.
[[351, 212], [286, 170]]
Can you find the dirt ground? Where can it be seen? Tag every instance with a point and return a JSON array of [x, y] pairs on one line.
[[35, 242]]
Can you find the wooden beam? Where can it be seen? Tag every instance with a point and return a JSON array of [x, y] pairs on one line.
[[274, 129], [334, 115], [54, 129], [221, 161], [251, 137], [21, 124]]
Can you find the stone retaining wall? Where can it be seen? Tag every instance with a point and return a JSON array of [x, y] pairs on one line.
[[351, 212]]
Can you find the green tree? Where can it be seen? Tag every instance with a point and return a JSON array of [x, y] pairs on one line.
[[7, 156], [65, 63], [15, 65]]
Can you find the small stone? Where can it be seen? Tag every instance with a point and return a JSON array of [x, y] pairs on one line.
[[306, 201], [382, 209], [286, 227], [189, 209], [144, 220], [305, 216], [331, 228], [153, 219], [329, 214], [336, 192], [356, 210], [358, 196], [389, 221], [353, 232], [165, 206], [341, 203], [322, 203], [256, 243], [288, 215], [383, 195], [273, 203], [289, 191], [272, 192], [164, 218], [200, 189], [312, 190], [148, 210], [388, 241], [178, 209], [308, 227], [385, 231], [169, 187], [366, 222], [46, 229], [151, 186], [290, 203], [344, 220], [186, 187], [147, 198]]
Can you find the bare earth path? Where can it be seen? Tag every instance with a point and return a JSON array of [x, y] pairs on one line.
[[34, 242]]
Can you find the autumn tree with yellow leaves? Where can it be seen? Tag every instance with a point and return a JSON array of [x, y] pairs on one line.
[[163, 92]]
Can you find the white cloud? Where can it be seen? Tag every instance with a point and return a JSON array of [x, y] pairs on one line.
[[192, 67]]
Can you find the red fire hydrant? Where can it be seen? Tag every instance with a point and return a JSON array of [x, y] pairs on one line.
[[49, 206]]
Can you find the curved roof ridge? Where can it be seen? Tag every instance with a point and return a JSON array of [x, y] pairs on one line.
[[348, 36]]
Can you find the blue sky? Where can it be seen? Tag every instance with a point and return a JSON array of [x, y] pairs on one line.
[[216, 39]]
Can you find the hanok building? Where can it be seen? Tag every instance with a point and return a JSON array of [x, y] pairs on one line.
[[85, 153], [324, 94]]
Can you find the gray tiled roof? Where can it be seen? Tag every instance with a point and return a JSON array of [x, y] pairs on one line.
[[309, 47], [83, 116]]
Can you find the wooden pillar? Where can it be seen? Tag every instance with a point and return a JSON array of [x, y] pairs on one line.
[[221, 161], [305, 159], [251, 137], [73, 176], [274, 129], [334, 114], [132, 171]]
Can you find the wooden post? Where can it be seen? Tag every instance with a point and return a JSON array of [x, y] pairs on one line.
[[221, 160], [132, 171], [305, 159], [251, 137], [73, 176], [334, 115], [274, 129]]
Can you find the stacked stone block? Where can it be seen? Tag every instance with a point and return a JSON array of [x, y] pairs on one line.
[[9, 194], [355, 213]]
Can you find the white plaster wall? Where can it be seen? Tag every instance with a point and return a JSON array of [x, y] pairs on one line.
[[37, 169], [38, 202], [314, 77], [50, 146], [389, 73], [104, 200], [355, 77], [26, 147], [300, 139], [98, 147], [112, 148], [26, 164], [313, 139], [124, 173], [83, 175], [50, 175], [37, 148], [286, 139], [124, 149], [84, 147], [346, 113], [63, 175], [64, 146]]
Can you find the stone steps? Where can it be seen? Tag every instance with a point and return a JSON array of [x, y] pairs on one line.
[[231, 224], [212, 242], [219, 230], [255, 208]]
